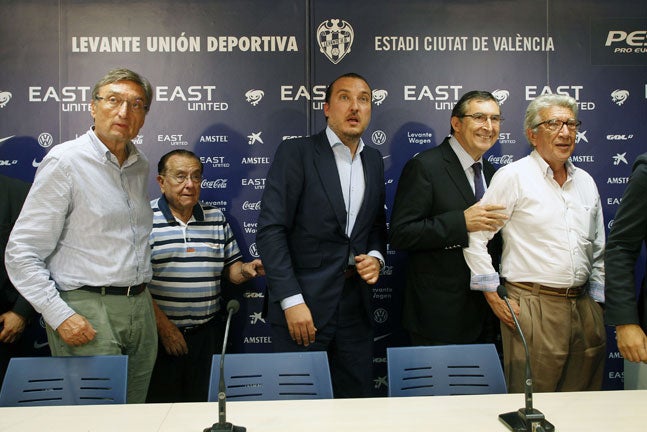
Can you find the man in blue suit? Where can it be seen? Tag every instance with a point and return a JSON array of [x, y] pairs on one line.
[[322, 238]]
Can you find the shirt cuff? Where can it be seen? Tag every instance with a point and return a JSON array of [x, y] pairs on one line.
[[378, 255], [487, 283], [596, 291], [294, 300]]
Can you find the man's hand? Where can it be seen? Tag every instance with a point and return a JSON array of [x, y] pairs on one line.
[[76, 330], [252, 269], [484, 217], [12, 325], [368, 267], [500, 308], [172, 339], [632, 342], [300, 324]]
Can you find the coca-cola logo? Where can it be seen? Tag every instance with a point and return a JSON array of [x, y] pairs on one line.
[[252, 205], [500, 160], [214, 184]]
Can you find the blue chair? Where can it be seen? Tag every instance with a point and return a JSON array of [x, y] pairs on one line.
[[38, 381], [272, 376], [444, 370]]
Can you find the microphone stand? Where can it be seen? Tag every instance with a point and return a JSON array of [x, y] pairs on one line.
[[223, 425], [525, 419]]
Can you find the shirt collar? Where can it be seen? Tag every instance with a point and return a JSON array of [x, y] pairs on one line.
[[546, 169], [463, 157], [100, 147], [198, 211], [334, 140]]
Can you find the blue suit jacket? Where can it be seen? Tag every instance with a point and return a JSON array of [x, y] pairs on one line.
[[301, 227]]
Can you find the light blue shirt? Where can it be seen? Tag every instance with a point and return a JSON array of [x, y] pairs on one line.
[[86, 221], [351, 177]]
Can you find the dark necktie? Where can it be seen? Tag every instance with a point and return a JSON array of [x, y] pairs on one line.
[[479, 187]]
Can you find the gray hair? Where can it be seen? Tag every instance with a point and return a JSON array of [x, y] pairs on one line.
[[542, 102], [122, 74]]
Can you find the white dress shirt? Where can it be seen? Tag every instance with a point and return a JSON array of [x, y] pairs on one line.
[[554, 235]]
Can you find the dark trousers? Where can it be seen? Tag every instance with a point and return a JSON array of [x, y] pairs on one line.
[[348, 340], [186, 378], [490, 334]]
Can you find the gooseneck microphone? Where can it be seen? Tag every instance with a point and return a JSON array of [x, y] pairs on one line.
[[223, 425], [525, 419]]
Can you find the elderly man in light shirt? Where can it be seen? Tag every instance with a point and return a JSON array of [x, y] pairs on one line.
[[79, 250], [553, 257]]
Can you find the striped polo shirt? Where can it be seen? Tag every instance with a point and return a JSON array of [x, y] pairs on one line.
[[188, 260]]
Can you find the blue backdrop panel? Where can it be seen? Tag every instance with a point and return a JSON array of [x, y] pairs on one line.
[[233, 78]]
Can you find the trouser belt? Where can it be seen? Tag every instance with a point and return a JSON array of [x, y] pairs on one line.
[[187, 330], [127, 291], [571, 292]]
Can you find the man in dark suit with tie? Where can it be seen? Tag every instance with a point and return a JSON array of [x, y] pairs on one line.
[[435, 207], [322, 238]]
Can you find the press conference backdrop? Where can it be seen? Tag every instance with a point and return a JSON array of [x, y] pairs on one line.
[[233, 78]]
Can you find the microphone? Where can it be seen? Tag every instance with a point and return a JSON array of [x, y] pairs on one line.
[[223, 425], [525, 419]]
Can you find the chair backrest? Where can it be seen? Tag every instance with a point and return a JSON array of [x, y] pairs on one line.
[[444, 370], [36, 381], [272, 376]]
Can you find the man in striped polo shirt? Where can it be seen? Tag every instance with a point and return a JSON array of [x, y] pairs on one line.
[[192, 247]]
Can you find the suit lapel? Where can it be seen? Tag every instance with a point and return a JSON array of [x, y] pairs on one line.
[[369, 190], [324, 162], [457, 174]]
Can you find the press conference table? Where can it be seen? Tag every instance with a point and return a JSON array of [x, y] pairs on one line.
[[599, 411]]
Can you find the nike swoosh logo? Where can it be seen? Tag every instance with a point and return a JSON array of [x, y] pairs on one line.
[[35, 164], [40, 345], [5, 139], [375, 339]]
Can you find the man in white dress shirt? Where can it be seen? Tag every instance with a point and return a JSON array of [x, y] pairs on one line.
[[79, 250], [553, 257]]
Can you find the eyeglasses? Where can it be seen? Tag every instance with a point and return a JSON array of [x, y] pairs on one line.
[[114, 102], [480, 118], [555, 125], [182, 178]]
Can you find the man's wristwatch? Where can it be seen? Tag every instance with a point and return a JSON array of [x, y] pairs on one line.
[[381, 263]]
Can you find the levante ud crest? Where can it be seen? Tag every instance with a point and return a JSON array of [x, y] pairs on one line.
[[335, 40]]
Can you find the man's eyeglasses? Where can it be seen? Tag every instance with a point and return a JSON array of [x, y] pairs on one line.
[[554, 125], [480, 118], [182, 178], [114, 102]]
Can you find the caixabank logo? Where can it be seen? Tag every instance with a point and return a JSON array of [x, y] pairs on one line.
[[619, 41]]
